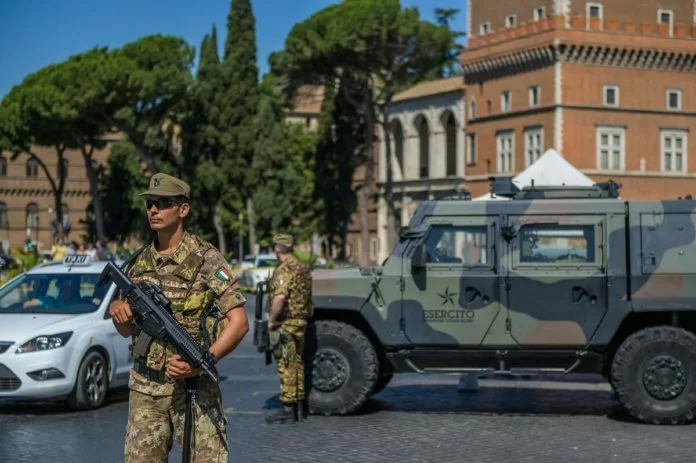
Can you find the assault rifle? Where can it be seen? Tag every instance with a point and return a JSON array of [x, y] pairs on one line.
[[152, 314], [261, 336]]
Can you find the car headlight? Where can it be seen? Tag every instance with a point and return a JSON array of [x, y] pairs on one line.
[[45, 342]]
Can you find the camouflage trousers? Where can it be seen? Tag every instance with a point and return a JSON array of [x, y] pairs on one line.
[[290, 364], [154, 420]]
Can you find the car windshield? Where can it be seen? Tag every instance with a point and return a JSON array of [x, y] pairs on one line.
[[267, 262], [64, 293]]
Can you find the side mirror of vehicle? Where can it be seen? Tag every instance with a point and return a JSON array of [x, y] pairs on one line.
[[420, 257]]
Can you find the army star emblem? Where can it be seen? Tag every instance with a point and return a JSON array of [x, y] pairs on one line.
[[157, 182], [447, 297]]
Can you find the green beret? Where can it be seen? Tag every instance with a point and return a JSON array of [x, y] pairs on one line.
[[284, 239], [166, 185]]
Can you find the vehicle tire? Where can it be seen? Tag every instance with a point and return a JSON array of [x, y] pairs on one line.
[[654, 375], [382, 382], [92, 383], [344, 369]]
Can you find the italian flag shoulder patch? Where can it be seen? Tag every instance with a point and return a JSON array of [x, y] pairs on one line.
[[222, 274]]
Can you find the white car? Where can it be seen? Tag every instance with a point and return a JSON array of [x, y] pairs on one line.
[[264, 264], [57, 339]]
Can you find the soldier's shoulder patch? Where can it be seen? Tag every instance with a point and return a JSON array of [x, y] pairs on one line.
[[223, 274]]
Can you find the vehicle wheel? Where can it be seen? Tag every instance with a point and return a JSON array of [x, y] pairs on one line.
[[92, 383], [344, 369], [654, 375]]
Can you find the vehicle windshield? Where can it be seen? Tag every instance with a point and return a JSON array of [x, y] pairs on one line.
[[64, 293], [267, 262]]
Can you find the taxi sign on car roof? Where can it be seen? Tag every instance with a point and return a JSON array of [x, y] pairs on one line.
[[77, 259]]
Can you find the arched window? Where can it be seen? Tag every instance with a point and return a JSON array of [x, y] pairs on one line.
[[398, 137], [32, 216], [450, 126], [4, 223], [3, 166], [32, 168], [424, 146]]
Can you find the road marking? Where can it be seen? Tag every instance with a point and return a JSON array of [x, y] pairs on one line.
[[255, 393], [232, 411]]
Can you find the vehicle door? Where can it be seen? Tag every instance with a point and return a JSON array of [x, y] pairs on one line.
[[454, 297], [120, 345], [556, 279]]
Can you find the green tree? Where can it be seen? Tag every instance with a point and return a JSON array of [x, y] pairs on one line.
[[381, 47], [238, 104], [124, 209], [284, 171], [21, 132]]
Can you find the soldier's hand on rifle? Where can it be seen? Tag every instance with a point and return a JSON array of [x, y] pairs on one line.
[[180, 369], [121, 312], [273, 325]]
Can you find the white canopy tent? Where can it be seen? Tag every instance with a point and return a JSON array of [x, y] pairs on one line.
[[550, 169]]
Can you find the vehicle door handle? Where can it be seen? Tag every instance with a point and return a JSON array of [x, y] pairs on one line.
[[580, 293]]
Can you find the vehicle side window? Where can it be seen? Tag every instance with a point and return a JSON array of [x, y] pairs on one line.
[[466, 245], [557, 244]]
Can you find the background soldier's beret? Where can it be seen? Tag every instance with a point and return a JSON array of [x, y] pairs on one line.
[[284, 239], [166, 185]]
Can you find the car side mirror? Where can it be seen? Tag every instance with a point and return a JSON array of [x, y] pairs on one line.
[[420, 257]]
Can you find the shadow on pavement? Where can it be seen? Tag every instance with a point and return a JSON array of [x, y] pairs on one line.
[[58, 406]]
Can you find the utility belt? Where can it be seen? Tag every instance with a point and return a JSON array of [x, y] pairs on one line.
[[157, 376]]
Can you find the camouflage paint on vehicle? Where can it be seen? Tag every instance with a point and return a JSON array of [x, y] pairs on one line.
[[509, 303]]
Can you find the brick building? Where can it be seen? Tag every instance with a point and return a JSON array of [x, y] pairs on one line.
[[26, 198], [611, 85]]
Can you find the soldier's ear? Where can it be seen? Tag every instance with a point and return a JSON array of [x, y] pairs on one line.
[[184, 209]]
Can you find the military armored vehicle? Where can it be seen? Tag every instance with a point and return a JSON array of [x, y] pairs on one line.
[[544, 279]]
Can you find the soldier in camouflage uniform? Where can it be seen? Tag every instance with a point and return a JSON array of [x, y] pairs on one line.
[[192, 275], [290, 296]]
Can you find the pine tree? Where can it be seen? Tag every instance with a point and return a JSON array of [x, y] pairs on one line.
[[238, 104]]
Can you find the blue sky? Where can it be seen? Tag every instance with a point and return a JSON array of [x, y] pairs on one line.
[[35, 33]]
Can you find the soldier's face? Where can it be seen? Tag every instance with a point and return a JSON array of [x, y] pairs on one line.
[[164, 212]]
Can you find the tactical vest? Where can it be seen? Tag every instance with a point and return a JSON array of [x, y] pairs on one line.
[[177, 286]]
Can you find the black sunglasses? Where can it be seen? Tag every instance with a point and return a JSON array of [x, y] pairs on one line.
[[160, 203]]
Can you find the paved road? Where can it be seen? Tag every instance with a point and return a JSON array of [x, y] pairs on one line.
[[415, 419]]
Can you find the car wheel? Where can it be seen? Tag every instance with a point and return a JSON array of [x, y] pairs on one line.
[[654, 375], [344, 369], [92, 383]]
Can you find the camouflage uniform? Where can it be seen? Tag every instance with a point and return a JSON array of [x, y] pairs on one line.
[[191, 277], [294, 280]]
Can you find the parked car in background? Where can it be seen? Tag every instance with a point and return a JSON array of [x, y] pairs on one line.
[[262, 270], [57, 339]]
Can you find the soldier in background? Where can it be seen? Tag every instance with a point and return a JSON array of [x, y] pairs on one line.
[[192, 275], [290, 302]]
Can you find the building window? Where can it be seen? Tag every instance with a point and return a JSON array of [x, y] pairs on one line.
[[534, 94], [4, 224], [485, 28], [424, 146], [471, 149], [32, 216], [611, 95], [32, 168], [3, 166], [611, 148], [451, 143], [594, 10], [674, 100], [472, 109], [511, 21], [533, 144], [673, 148], [505, 101], [666, 17], [506, 150], [539, 13]]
